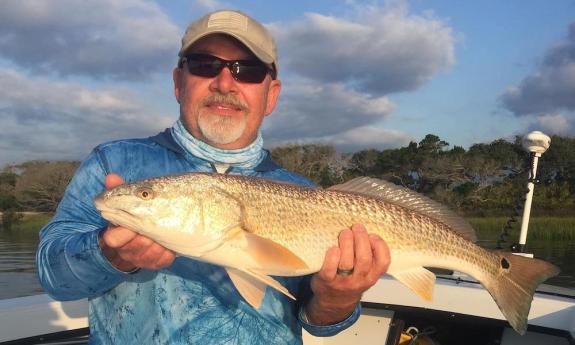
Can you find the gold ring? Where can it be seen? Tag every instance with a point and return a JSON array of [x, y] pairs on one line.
[[344, 272]]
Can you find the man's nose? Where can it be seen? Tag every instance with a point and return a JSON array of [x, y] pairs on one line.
[[224, 82]]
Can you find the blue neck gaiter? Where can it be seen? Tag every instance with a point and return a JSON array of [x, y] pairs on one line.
[[246, 158]]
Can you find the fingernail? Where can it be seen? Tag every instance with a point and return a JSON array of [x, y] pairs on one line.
[[344, 231], [373, 237]]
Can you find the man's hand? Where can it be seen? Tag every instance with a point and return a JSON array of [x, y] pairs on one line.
[[347, 271], [128, 250]]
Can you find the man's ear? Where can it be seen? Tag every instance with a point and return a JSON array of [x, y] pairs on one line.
[[273, 94], [177, 75]]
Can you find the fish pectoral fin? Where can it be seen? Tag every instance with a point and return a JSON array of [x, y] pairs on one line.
[[418, 279], [272, 254], [252, 286]]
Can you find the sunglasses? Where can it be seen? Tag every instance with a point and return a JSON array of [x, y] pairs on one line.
[[209, 66]]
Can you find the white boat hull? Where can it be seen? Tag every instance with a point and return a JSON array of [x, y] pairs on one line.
[[551, 321]]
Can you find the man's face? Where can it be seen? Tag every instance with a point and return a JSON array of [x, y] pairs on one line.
[[222, 111]]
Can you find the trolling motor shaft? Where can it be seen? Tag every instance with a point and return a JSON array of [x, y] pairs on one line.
[[536, 143]]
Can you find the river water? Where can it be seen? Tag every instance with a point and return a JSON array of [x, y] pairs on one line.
[[18, 271]]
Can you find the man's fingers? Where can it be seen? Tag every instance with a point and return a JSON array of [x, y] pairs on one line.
[[381, 256], [330, 263], [165, 259], [148, 255], [113, 180], [117, 236], [362, 250], [347, 259]]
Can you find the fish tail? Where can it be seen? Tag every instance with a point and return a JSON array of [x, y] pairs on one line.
[[513, 288]]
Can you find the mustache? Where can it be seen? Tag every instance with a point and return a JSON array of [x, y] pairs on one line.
[[226, 100]]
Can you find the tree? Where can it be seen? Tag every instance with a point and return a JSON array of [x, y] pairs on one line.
[[320, 163], [41, 185], [488, 178], [364, 163], [399, 165], [7, 183], [7, 201], [431, 144], [558, 163]]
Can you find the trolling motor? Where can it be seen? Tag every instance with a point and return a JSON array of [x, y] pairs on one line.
[[536, 143]]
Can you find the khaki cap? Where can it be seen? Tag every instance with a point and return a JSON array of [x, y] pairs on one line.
[[238, 25]]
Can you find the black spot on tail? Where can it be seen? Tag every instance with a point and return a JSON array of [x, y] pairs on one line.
[[504, 263]]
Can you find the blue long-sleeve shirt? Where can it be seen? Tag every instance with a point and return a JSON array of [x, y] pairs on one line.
[[189, 302]]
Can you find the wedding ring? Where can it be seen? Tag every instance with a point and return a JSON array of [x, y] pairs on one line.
[[344, 272]]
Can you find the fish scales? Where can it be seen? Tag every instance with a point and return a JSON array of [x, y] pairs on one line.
[[307, 221]]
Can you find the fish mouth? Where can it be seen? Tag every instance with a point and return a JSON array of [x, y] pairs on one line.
[[116, 216]]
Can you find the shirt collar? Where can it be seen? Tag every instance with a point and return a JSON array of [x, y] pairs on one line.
[[166, 140]]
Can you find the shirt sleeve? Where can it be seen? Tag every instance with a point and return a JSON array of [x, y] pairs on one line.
[[69, 260], [330, 330], [304, 296]]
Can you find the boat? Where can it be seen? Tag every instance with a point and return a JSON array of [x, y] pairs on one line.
[[461, 312]]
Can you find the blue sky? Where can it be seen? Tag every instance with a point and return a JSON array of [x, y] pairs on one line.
[[357, 74]]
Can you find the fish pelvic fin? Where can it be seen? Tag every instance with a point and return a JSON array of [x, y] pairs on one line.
[[418, 279], [514, 287], [252, 286]]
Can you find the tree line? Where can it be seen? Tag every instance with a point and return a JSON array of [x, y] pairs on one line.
[[486, 179]]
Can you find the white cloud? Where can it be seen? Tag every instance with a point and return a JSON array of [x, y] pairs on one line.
[[340, 70], [209, 5], [555, 124], [41, 119], [119, 39], [356, 139], [380, 50], [310, 110], [369, 137], [551, 88]]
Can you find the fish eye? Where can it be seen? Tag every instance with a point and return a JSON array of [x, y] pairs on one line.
[[145, 193], [504, 263]]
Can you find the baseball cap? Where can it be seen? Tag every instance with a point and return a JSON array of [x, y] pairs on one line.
[[238, 25]]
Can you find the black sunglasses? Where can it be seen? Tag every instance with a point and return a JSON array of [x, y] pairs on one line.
[[209, 66]]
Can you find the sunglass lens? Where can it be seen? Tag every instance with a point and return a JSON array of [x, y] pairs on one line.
[[249, 71], [204, 65], [245, 71]]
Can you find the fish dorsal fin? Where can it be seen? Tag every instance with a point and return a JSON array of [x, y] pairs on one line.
[[419, 280], [409, 199], [252, 286]]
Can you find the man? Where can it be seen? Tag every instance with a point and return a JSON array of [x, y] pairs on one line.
[[140, 292]]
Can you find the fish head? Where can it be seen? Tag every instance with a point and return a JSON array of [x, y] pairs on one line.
[[164, 210]]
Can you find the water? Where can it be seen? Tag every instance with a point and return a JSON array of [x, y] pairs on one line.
[[18, 271], [17, 267]]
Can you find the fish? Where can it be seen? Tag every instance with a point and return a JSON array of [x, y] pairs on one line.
[[256, 228]]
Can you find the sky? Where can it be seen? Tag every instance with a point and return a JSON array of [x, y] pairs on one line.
[[355, 74]]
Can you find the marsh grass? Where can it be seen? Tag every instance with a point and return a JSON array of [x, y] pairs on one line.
[[26, 229], [540, 228], [32, 222]]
